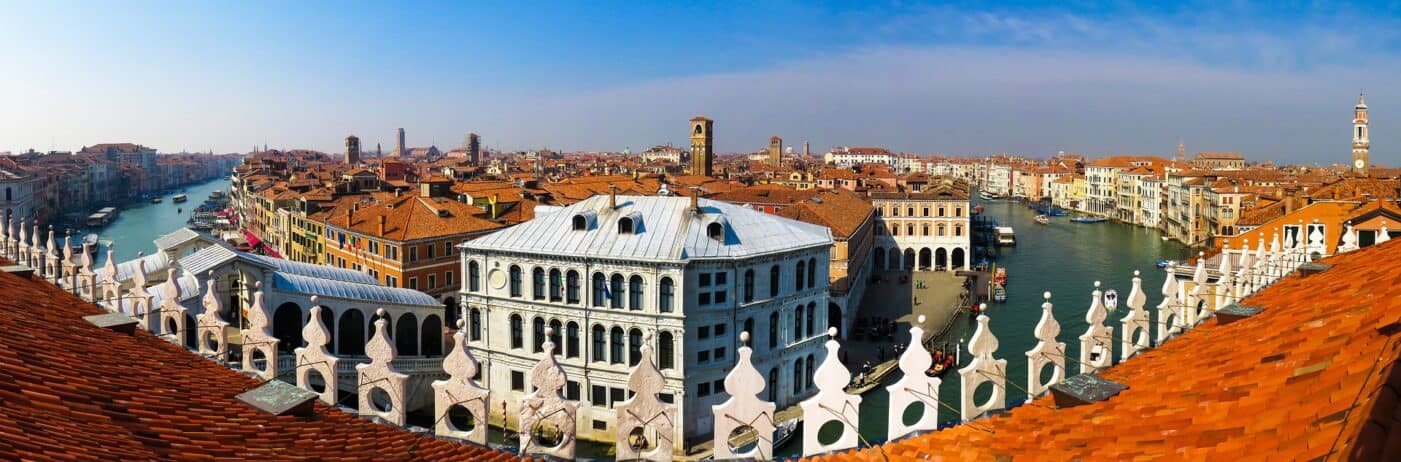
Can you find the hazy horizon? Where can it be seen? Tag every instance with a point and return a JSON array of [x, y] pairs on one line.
[[1025, 79]]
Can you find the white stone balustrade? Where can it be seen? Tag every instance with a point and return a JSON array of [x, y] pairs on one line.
[[1243, 281], [461, 390], [1260, 276], [1097, 343], [1136, 323], [914, 387], [644, 415], [314, 357], [1349, 239], [258, 340], [1197, 300], [172, 314], [984, 368], [1224, 287], [1170, 309], [744, 409], [211, 331], [1047, 351], [381, 376], [831, 403], [139, 298], [546, 405]]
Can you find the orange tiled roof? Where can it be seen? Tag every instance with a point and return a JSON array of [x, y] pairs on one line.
[[75, 391], [1311, 377], [411, 217]]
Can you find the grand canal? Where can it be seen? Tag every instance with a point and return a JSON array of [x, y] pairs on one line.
[[139, 225]]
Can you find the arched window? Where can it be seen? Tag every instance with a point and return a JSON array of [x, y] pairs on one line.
[[715, 231], [8, 194], [634, 347], [748, 286], [599, 344], [625, 225], [942, 230], [910, 229], [807, 370], [515, 281], [808, 321], [474, 276], [537, 283], [431, 341], [797, 376], [599, 289], [571, 343], [798, 278], [895, 229], [580, 223], [812, 272], [615, 345], [474, 321], [665, 351], [773, 384], [925, 229], [668, 294], [635, 293], [571, 287], [556, 285], [798, 324], [615, 288], [538, 334], [774, 281], [958, 230], [749, 327], [517, 334], [774, 329]]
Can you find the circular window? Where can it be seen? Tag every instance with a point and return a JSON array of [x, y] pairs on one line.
[[496, 278]]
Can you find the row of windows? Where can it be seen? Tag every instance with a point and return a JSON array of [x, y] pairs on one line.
[[607, 345], [940, 230], [941, 211]]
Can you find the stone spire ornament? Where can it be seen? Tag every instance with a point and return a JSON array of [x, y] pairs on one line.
[[5, 238], [212, 328], [381, 375], [1197, 301], [547, 405], [1383, 235], [51, 261], [1260, 276], [1170, 310], [1048, 351], [983, 368], [1316, 243], [1224, 287], [22, 250], [1349, 239], [68, 267], [111, 289], [1096, 344], [257, 338], [140, 297], [1136, 323], [1273, 268], [86, 281], [645, 411], [1242, 278], [171, 312], [316, 356], [831, 403], [914, 386], [36, 249], [744, 409], [461, 390]]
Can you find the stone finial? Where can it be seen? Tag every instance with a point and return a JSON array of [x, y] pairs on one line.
[[257, 338], [51, 262], [23, 250], [1170, 310], [316, 356], [1225, 286], [381, 375], [1047, 351], [644, 410], [547, 404], [1383, 235], [915, 386], [1096, 344], [1273, 257], [461, 389], [1196, 303], [831, 403], [1136, 323], [983, 368], [744, 408], [1260, 276], [171, 312], [211, 325], [1349, 239]]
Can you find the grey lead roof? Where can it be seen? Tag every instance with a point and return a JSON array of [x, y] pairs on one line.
[[350, 290], [669, 231], [210, 257]]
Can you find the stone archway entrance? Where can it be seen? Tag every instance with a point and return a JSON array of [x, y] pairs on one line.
[[287, 327]]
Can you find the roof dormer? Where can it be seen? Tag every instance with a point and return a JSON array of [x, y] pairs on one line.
[[716, 230], [584, 221], [630, 223]]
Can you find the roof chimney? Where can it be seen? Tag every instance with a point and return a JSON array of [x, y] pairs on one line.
[[695, 199], [381, 225], [350, 215], [1289, 194], [612, 196]]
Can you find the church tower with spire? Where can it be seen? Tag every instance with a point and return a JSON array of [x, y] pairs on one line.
[[1361, 145]]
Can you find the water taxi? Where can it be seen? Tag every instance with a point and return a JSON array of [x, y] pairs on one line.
[[179, 198], [1042, 219], [991, 196]]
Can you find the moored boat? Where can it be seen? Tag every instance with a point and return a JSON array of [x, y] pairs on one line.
[[783, 432], [156, 200], [1042, 219], [1089, 219], [999, 293], [179, 198]]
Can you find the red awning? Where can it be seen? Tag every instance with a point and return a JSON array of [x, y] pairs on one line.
[[253, 240]]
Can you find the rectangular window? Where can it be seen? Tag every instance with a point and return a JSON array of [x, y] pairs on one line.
[[721, 278], [517, 380], [705, 280], [598, 396], [703, 298], [719, 330], [719, 353], [413, 253], [449, 280], [571, 390], [720, 296], [666, 398], [413, 283], [429, 249], [703, 356], [447, 249], [600, 425], [615, 396], [703, 332], [718, 386], [703, 390], [432, 281]]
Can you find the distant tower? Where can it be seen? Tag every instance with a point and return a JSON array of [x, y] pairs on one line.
[[474, 148], [1181, 150], [775, 151], [352, 150], [1361, 145], [805, 150], [702, 143], [400, 150], [379, 153]]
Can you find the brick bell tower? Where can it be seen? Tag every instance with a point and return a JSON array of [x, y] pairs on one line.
[[702, 144]]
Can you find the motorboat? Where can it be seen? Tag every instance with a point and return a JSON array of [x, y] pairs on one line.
[[179, 198], [1089, 219], [156, 200], [1163, 263], [1006, 236], [1042, 219]]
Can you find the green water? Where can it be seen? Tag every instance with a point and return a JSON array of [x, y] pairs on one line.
[[1064, 258], [139, 224]]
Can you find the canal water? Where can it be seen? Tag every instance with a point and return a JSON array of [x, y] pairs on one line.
[[1064, 258], [139, 225]]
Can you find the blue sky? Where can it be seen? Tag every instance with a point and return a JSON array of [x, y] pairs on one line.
[[962, 78]]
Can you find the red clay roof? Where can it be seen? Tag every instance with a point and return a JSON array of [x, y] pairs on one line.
[[74, 391], [1313, 376]]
